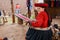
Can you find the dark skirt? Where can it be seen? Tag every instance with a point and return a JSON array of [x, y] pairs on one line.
[[33, 34]]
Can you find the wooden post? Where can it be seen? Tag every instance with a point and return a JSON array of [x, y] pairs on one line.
[[29, 11], [12, 8]]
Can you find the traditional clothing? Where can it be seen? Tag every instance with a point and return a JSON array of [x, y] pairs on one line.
[[39, 29], [41, 20]]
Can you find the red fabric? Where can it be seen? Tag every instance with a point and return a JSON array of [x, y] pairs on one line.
[[41, 20], [40, 5], [17, 6]]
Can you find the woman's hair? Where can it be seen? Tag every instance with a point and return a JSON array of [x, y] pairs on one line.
[[47, 12], [49, 18]]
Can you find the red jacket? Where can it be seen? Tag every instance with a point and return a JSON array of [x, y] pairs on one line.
[[41, 20]]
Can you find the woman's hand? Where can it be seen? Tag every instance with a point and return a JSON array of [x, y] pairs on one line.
[[29, 22]]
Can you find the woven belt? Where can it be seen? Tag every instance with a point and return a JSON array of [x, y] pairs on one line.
[[47, 28]]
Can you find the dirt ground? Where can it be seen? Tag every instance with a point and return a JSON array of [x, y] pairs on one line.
[[13, 31], [16, 31]]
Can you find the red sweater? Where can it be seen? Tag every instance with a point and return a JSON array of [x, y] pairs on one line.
[[41, 20]]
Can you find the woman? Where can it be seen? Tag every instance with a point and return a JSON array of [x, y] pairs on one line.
[[39, 29]]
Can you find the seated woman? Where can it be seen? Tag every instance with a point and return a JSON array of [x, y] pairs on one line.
[[40, 29]]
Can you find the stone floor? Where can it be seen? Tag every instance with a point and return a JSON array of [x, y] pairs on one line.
[[17, 32]]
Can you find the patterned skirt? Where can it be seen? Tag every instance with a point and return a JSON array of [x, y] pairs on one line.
[[33, 34]]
